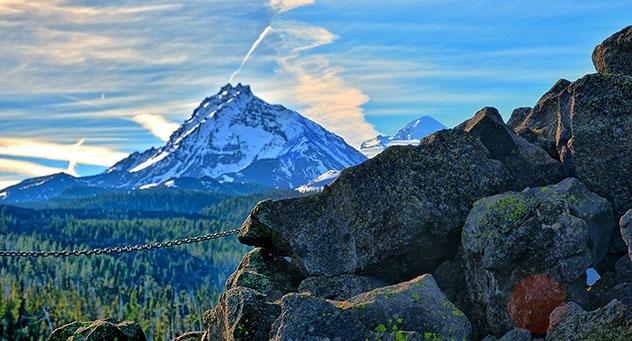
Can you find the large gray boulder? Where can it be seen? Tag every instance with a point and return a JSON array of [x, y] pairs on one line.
[[240, 314], [339, 287], [99, 330], [527, 252], [614, 55], [416, 309], [570, 322], [377, 216], [588, 126]]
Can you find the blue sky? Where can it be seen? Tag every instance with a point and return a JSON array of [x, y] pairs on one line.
[[87, 82]]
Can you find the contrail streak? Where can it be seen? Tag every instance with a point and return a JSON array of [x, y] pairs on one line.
[[252, 49], [72, 161]]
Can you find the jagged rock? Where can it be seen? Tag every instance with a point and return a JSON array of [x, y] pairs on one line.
[[99, 330], [416, 309], [570, 322], [266, 273], [626, 231], [518, 115], [516, 334], [377, 216], [240, 314], [588, 125], [525, 161], [339, 287], [621, 292], [539, 125], [532, 249], [306, 317], [614, 55], [190, 336]]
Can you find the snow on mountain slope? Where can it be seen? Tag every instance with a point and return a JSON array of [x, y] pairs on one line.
[[411, 133], [232, 137], [236, 136]]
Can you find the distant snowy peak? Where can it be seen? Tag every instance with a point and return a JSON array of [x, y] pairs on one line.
[[236, 136], [411, 133]]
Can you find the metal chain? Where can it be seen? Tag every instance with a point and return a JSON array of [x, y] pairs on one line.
[[119, 249]]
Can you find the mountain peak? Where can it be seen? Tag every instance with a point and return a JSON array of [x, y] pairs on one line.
[[232, 91]]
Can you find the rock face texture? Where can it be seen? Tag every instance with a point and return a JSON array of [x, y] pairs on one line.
[[99, 330], [587, 125], [375, 217], [614, 55], [571, 322], [416, 309], [531, 249], [626, 231]]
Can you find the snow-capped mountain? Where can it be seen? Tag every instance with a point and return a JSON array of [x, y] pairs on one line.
[[411, 133], [232, 137]]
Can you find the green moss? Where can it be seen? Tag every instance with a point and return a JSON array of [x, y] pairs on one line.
[[400, 336], [432, 336], [415, 296], [380, 328]]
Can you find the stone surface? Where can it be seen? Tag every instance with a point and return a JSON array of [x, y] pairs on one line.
[[614, 55], [539, 125], [376, 216], [518, 115], [570, 322], [623, 269], [588, 126], [626, 231], [526, 252], [241, 314], [266, 273], [516, 334], [99, 330], [414, 310], [339, 287]]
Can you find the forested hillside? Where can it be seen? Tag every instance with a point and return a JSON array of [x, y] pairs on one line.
[[165, 290]]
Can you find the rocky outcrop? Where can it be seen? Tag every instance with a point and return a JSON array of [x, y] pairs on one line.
[[376, 216], [416, 309], [99, 330], [588, 126], [614, 55], [532, 249], [570, 322], [339, 287], [626, 231]]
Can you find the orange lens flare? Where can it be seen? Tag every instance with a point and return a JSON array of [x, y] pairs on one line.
[[532, 300]]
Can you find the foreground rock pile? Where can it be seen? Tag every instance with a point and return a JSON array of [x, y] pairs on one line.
[[484, 231]]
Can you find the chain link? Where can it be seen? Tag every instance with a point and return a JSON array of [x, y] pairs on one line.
[[120, 249]]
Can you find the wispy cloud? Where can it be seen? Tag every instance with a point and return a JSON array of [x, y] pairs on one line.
[[157, 125], [26, 168], [319, 86], [281, 6], [252, 49], [89, 155]]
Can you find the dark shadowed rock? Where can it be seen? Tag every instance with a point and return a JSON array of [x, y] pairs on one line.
[[392, 217], [626, 231], [614, 55], [266, 273], [100, 330], [518, 115], [306, 317], [570, 322], [339, 287], [416, 309], [526, 162], [621, 292], [516, 334], [623, 269], [525, 252], [240, 314], [539, 125], [450, 278], [588, 124]]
